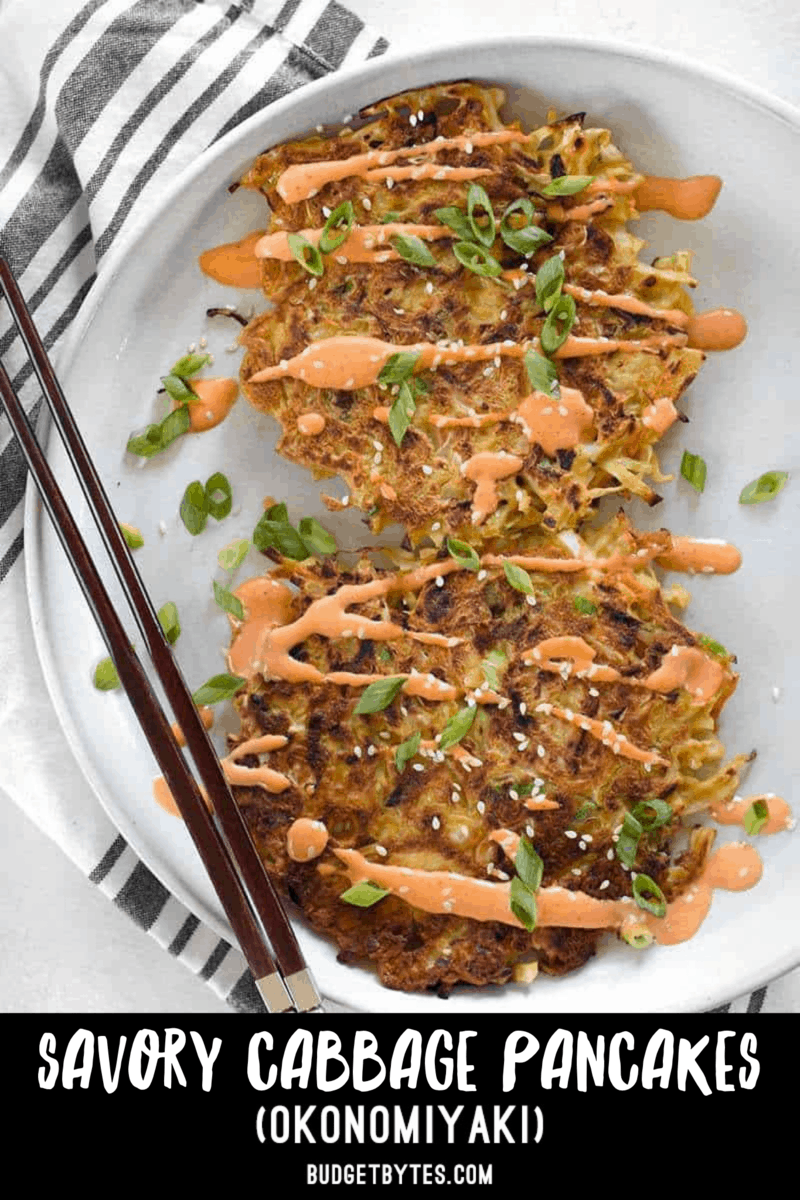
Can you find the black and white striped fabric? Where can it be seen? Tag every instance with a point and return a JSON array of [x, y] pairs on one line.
[[102, 101]]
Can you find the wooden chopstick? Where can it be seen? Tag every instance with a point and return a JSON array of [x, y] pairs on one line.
[[228, 853]]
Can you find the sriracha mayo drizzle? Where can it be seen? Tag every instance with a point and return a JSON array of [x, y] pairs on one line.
[[349, 362], [303, 180], [234, 263], [363, 244], [261, 776], [306, 839], [687, 199], [734, 867], [732, 812], [310, 424], [660, 415], [708, 556], [718, 329], [485, 470], [215, 399]]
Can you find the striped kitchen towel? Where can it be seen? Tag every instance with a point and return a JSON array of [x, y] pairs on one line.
[[102, 102]]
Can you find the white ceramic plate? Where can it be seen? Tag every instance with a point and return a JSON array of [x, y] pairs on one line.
[[671, 118]]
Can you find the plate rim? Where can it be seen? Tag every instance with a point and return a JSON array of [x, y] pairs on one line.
[[33, 522]]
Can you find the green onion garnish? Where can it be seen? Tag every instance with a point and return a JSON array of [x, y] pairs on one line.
[[582, 605], [401, 412], [177, 389], [587, 807], [337, 227], [399, 367], [567, 185], [549, 281], [463, 553], [157, 437], [455, 219], [525, 238], [713, 647], [763, 488], [170, 622], [529, 865], [413, 250], [307, 254], [756, 817], [274, 531], [693, 469], [490, 666], [640, 939], [364, 894], [380, 694], [477, 259], [219, 496], [518, 577], [457, 727], [228, 602], [652, 814], [628, 840], [649, 896], [542, 374], [522, 903], [189, 365], [478, 199], [556, 328], [217, 688], [316, 538], [132, 535], [194, 508], [406, 751], [105, 677], [233, 555]]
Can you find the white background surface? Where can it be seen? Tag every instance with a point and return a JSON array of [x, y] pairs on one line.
[[65, 947]]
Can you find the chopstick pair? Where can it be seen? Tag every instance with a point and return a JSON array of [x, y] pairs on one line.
[[246, 893]]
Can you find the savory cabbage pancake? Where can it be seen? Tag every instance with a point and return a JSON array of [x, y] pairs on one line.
[[486, 451], [547, 693]]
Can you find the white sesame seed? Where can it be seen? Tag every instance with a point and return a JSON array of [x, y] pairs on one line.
[[576, 870], [482, 575], [389, 182], [367, 203], [570, 833], [162, 527], [417, 767], [776, 694], [358, 751], [439, 581], [481, 807], [371, 751], [606, 883], [429, 288], [610, 855], [582, 845], [593, 692], [540, 750], [426, 470], [436, 823], [382, 851]]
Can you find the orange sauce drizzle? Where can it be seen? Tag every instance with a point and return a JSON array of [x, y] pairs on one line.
[[687, 199], [732, 812], [215, 399], [485, 470], [310, 424], [734, 867], [301, 181], [660, 415], [306, 839], [234, 263], [261, 776], [708, 556], [605, 732], [363, 244], [205, 714], [718, 329], [556, 423]]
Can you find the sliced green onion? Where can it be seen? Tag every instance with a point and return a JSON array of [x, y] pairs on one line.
[[526, 239], [217, 688], [406, 751], [233, 555], [194, 508], [693, 469], [228, 602], [389, 218], [132, 535], [105, 677], [652, 814], [478, 199], [177, 390], [549, 281], [274, 531], [567, 185], [337, 227], [494, 660], [455, 219], [764, 488], [379, 695], [364, 894], [528, 865], [316, 537], [463, 553], [713, 647], [189, 365], [399, 367], [542, 373], [628, 840], [587, 807], [639, 938], [219, 496], [582, 605], [457, 727], [477, 259], [401, 412], [756, 817], [413, 250], [157, 437], [522, 903], [169, 621], [306, 253], [556, 328], [649, 896], [518, 577]]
